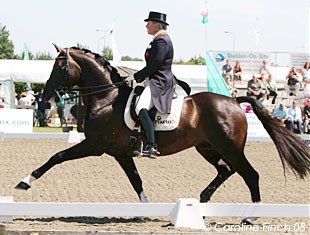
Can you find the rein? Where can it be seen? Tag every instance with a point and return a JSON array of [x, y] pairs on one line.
[[106, 87]]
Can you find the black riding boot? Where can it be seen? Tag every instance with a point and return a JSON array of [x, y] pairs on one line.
[[146, 122]]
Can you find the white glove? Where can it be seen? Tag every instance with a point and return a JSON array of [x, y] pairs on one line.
[[130, 78]]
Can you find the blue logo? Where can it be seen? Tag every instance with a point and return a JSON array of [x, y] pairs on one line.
[[219, 57]]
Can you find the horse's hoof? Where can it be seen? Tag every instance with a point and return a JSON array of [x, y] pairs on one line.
[[22, 185]]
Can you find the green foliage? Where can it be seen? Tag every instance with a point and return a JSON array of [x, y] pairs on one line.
[[107, 53], [6, 45], [128, 58], [43, 56], [197, 60], [81, 46], [21, 87]]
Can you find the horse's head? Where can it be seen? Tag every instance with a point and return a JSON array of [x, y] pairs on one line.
[[65, 74]]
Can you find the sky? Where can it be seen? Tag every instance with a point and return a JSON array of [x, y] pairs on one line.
[[283, 25]]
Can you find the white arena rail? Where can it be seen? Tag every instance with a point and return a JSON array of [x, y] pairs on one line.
[[185, 213]]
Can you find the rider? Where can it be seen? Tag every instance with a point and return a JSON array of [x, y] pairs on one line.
[[158, 77]]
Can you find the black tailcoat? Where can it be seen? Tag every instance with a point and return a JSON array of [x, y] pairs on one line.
[[159, 57]]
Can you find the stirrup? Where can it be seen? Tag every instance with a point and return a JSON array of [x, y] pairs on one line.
[[149, 151]]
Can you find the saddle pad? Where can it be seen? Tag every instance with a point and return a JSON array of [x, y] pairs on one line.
[[162, 122]]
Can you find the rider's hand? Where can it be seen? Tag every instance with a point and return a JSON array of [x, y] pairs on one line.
[[130, 78]]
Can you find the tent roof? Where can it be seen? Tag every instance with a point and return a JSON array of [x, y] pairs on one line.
[[33, 71], [38, 71]]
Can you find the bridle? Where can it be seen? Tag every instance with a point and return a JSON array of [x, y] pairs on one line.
[[62, 89]]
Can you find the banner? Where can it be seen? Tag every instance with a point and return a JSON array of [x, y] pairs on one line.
[[16, 120], [298, 60], [251, 61], [255, 127]]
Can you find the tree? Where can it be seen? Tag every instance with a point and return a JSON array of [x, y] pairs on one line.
[[129, 58], [197, 60], [43, 56], [107, 53], [6, 45]]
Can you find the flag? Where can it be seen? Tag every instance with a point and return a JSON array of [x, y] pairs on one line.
[[26, 52], [204, 14], [215, 82], [26, 57]]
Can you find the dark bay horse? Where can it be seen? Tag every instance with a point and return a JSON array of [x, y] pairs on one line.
[[214, 124]]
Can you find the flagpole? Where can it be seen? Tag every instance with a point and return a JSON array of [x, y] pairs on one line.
[[257, 34]]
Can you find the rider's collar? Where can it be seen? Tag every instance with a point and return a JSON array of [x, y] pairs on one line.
[[162, 31]]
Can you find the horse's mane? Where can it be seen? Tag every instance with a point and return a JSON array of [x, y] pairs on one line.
[[115, 76]]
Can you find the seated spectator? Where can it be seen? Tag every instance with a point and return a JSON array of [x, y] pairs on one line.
[[306, 72], [264, 70], [256, 88], [2, 96], [295, 117], [233, 91], [281, 114], [306, 117], [272, 88], [227, 71], [306, 79], [293, 84], [237, 73]]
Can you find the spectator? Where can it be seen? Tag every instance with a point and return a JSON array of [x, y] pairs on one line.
[[264, 70], [306, 72], [295, 116], [233, 91], [24, 102], [281, 114], [306, 79], [2, 96], [41, 104], [227, 71], [293, 84], [60, 108], [306, 117], [255, 88], [237, 73], [272, 88]]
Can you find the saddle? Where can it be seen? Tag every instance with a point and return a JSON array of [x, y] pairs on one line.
[[162, 122]]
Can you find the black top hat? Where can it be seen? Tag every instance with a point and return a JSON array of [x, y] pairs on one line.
[[157, 16]]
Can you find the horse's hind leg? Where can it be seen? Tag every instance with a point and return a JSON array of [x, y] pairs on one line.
[[224, 171], [86, 148]]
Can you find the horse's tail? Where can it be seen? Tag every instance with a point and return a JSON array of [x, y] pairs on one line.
[[294, 153]]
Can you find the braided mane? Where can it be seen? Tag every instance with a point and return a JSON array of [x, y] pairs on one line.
[[115, 76]]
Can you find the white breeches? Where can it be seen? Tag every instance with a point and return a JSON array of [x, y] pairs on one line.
[[294, 88], [145, 100]]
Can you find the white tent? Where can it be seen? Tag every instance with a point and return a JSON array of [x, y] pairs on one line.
[[33, 71], [38, 71]]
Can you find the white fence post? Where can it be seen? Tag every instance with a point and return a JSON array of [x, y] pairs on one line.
[[187, 214]]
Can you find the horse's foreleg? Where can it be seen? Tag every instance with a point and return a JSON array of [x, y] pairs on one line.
[[83, 149], [129, 167]]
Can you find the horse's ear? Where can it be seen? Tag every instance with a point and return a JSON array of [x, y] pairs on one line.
[[58, 48]]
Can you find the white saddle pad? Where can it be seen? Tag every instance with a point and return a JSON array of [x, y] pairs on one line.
[[162, 122]]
